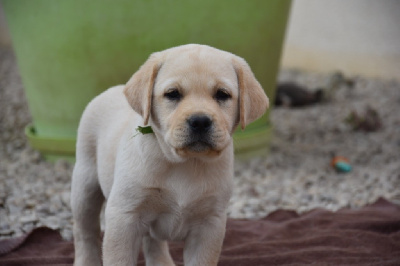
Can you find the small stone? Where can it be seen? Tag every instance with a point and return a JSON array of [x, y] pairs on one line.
[[52, 222], [7, 232], [28, 227], [30, 203], [31, 218], [65, 197], [43, 208]]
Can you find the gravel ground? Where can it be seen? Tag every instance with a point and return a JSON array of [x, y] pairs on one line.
[[295, 175]]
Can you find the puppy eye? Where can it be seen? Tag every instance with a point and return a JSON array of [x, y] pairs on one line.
[[222, 95], [173, 95]]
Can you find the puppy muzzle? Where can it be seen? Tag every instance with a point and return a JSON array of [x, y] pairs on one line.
[[198, 135]]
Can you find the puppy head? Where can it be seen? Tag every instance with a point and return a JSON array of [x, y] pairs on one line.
[[194, 97]]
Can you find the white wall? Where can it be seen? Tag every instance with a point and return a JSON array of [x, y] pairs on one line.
[[354, 36]]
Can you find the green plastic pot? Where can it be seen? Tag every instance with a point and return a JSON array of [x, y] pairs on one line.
[[69, 51]]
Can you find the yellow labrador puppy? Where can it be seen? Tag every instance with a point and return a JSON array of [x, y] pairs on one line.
[[173, 183]]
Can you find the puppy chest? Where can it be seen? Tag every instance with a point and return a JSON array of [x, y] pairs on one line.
[[169, 219]]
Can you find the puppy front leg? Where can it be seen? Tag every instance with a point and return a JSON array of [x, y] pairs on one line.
[[203, 244], [156, 252], [86, 202], [122, 238]]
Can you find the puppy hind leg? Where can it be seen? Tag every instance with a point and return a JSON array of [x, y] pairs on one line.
[[86, 202], [156, 252]]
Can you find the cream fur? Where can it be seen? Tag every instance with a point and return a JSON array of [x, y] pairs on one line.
[[156, 187]]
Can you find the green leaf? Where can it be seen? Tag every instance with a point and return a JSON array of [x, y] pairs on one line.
[[144, 130]]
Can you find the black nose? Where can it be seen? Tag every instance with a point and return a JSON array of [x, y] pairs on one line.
[[199, 123]]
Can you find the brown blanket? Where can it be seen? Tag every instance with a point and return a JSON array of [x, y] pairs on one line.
[[368, 236]]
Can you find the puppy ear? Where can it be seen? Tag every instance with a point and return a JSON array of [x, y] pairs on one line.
[[252, 99], [139, 89]]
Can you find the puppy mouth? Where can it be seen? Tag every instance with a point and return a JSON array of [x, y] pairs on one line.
[[198, 148]]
